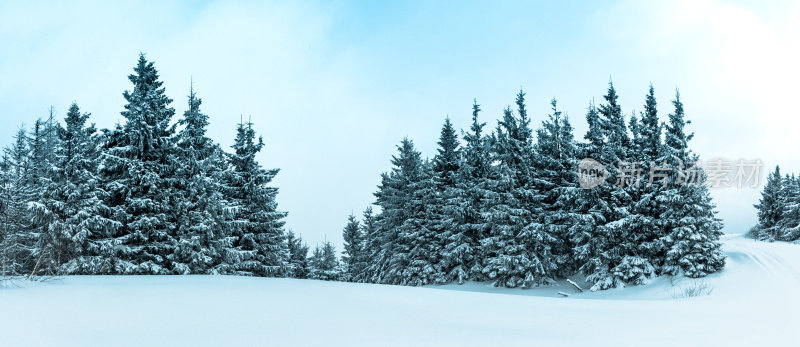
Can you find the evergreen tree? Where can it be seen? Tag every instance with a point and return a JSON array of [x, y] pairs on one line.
[[789, 222], [298, 253], [137, 169], [202, 231], [556, 178], [394, 197], [518, 251], [461, 252], [436, 203], [692, 242], [353, 247], [417, 249], [771, 207], [589, 208], [323, 264], [49, 236], [609, 203], [16, 243], [369, 230], [83, 212], [260, 246]]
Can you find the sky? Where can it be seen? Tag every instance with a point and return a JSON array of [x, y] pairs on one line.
[[334, 86]]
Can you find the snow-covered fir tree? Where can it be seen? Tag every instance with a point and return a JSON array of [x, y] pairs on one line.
[[371, 244], [693, 230], [298, 255], [394, 197], [203, 230], [517, 251], [85, 219], [50, 237], [259, 246], [323, 264], [138, 168], [770, 207], [16, 244], [353, 257], [556, 177], [462, 258], [789, 222]]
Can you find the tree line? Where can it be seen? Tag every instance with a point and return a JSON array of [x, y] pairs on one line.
[[150, 196], [778, 209], [155, 195], [508, 206]]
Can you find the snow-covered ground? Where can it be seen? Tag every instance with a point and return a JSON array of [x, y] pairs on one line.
[[754, 302]]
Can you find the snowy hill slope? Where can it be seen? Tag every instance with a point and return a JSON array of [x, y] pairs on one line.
[[753, 302]]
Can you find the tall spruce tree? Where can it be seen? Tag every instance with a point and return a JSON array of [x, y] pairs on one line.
[[138, 173], [394, 197], [323, 264], [556, 178], [353, 248], [298, 254], [643, 253], [84, 215], [203, 232], [771, 207], [17, 244], [50, 237], [463, 251], [611, 146], [260, 247], [518, 252], [369, 230], [590, 209], [692, 242], [789, 222]]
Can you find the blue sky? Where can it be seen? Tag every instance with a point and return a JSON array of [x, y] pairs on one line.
[[334, 87]]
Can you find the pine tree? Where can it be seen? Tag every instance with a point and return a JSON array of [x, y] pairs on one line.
[[416, 251], [692, 243], [83, 213], [369, 230], [770, 207], [789, 222], [353, 248], [323, 264], [433, 212], [394, 197], [436, 206], [463, 256], [202, 231], [298, 253], [17, 243], [556, 177], [50, 237], [260, 246], [518, 251], [137, 169], [461, 252], [643, 253], [609, 203], [588, 207]]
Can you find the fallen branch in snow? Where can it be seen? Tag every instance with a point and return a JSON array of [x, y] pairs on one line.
[[564, 294], [576, 285]]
